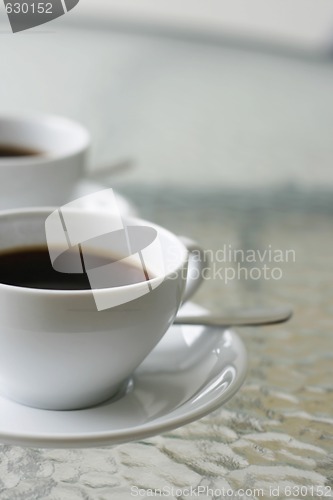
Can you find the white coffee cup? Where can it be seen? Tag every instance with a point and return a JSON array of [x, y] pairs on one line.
[[46, 178], [57, 350]]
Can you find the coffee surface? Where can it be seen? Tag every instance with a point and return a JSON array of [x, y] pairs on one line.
[[31, 267], [12, 151]]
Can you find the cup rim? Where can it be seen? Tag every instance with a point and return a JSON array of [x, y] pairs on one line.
[[85, 293], [48, 120]]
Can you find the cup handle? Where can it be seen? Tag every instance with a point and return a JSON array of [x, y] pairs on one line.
[[196, 266]]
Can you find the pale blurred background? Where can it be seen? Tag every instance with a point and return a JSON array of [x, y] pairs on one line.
[[199, 92]]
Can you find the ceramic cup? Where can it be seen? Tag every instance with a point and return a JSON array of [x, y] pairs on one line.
[[65, 350], [45, 178]]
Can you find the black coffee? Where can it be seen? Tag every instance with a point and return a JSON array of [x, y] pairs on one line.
[[31, 267], [10, 151]]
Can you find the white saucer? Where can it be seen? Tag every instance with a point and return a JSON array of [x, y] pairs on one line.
[[103, 201], [191, 372]]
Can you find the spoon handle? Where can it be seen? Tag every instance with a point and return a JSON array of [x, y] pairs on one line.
[[240, 317], [103, 172]]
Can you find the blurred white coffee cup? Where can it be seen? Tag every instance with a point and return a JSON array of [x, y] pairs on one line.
[[41, 159]]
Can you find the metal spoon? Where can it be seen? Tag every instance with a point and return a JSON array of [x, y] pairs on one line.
[[240, 317], [105, 171]]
